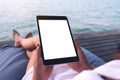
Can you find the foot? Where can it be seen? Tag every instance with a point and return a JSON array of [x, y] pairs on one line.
[[17, 38], [29, 35]]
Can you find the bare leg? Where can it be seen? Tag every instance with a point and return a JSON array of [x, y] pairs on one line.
[[29, 53], [26, 43], [29, 43], [31, 62], [17, 37], [29, 35]]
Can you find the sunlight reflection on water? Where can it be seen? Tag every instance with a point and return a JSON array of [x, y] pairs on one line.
[[83, 15]]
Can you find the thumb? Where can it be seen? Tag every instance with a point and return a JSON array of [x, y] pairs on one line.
[[38, 51]]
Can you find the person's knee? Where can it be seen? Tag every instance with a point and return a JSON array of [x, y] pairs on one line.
[[92, 58]]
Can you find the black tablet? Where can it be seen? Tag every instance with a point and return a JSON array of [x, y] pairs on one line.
[[56, 40]]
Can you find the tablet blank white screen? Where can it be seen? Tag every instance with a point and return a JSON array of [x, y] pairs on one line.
[[56, 39]]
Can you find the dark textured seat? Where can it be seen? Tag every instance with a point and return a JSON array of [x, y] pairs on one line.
[[104, 44]]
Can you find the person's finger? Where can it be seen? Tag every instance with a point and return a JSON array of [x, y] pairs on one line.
[[49, 68], [38, 54], [78, 48], [48, 71], [38, 51], [76, 43]]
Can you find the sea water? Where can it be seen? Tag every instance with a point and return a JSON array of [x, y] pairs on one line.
[[83, 15]]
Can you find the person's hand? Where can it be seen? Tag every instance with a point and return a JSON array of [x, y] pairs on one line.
[[42, 72], [83, 63]]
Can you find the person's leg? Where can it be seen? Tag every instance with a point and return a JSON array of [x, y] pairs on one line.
[[32, 43], [29, 54], [27, 43], [31, 60], [93, 59], [32, 65], [29, 35]]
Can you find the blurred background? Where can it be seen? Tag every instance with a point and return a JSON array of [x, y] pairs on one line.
[[84, 15]]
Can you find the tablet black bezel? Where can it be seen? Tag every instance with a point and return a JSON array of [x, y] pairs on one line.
[[59, 60]]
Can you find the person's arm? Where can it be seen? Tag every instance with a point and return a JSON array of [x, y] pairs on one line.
[[41, 72], [83, 63]]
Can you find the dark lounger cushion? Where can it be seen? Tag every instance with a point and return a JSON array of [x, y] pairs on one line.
[[13, 62]]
